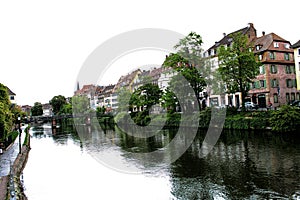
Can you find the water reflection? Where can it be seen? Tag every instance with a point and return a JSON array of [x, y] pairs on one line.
[[242, 165]]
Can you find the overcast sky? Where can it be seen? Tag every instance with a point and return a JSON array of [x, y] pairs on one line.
[[43, 44]]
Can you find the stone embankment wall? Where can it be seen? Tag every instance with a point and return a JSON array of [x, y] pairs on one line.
[[7, 186]]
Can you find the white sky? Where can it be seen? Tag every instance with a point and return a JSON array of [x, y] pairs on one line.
[[43, 44]]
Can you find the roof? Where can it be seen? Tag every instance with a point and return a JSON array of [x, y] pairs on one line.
[[9, 91], [266, 41], [296, 45], [227, 39], [108, 88], [127, 79]]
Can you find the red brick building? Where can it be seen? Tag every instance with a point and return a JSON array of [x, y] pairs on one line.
[[276, 82]]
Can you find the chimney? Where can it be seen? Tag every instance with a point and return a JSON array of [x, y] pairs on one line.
[[263, 33], [224, 34], [251, 25]]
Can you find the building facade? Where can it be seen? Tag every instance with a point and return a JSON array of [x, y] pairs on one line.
[[296, 48], [276, 82], [225, 99]]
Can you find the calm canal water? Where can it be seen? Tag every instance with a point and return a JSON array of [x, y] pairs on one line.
[[242, 165]]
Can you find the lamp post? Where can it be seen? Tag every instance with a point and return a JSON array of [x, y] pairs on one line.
[[20, 131]]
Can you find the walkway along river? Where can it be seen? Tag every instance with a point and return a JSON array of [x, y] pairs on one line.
[[242, 165]]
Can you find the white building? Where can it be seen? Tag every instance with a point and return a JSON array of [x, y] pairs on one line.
[[224, 99], [12, 96], [296, 48]]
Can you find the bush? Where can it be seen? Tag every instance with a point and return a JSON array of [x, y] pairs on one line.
[[287, 118]]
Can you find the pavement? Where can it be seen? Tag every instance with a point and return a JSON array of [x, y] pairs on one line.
[[8, 157]]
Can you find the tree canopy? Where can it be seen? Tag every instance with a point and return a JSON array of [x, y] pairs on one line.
[[37, 109], [189, 63], [57, 103], [238, 65], [80, 104], [146, 96]]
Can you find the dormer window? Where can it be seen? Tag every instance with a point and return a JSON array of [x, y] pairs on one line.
[[258, 47], [276, 44], [287, 46]]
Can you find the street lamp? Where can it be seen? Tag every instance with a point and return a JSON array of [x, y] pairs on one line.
[[20, 131]]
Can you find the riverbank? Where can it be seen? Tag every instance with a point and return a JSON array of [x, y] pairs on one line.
[[14, 187]]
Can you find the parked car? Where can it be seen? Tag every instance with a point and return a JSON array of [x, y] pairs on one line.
[[296, 103], [251, 106]]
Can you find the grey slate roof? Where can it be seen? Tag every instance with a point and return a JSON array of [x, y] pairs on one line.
[[296, 45]]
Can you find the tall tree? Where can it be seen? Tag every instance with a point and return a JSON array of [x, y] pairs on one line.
[[124, 95], [6, 115], [146, 96], [238, 65], [188, 61], [37, 109], [57, 103], [80, 105]]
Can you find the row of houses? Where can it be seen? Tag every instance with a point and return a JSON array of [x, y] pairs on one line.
[[277, 80], [279, 75], [106, 96]]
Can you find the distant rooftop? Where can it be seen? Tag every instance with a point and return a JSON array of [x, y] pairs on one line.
[[9, 91]]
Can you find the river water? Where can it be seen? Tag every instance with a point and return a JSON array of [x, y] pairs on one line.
[[242, 165]]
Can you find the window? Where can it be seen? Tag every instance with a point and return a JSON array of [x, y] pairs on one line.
[[295, 83], [289, 69], [287, 46], [12, 98], [286, 56], [260, 57], [275, 98], [287, 97], [292, 96], [293, 69], [276, 44], [274, 83], [257, 47], [273, 69], [262, 83], [257, 84], [262, 69], [298, 51], [297, 96], [289, 83], [272, 55]]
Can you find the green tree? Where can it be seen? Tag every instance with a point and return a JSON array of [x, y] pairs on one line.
[[17, 112], [80, 104], [189, 63], [123, 98], [66, 109], [37, 109], [57, 102], [146, 96], [100, 111], [169, 101], [6, 116], [238, 65]]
